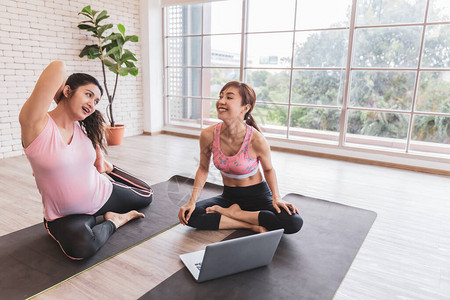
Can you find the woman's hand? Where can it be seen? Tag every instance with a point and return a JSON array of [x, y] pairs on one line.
[[59, 92], [277, 203], [189, 208], [101, 164]]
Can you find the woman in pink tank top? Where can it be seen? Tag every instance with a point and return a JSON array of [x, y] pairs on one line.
[[64, 147], [238, 148]]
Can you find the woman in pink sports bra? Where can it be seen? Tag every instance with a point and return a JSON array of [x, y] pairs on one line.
[[64, 149], [237, 146]]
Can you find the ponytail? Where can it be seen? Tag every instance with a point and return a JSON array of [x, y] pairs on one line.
[[251, 121], [94, 127]]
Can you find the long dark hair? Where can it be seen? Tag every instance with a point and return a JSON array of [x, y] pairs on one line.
[[94, 125], [248, 96]]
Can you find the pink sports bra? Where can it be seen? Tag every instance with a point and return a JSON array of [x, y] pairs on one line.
[[239, 165]]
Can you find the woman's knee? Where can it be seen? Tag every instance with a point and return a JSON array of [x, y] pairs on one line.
[[148, 201], [78, 249], [273, 220], [293, 224], [79, 243], [269, 220]]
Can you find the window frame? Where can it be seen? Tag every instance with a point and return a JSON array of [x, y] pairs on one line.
[[345, 140]]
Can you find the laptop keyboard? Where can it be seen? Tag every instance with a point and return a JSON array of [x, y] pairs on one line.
[[198, 265]]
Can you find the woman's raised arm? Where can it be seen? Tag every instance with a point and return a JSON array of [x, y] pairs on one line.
[[33, 115]]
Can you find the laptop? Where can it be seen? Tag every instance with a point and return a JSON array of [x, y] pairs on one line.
[[232, 256]]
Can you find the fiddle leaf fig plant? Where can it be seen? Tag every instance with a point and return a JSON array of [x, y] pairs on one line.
[[109, 49]]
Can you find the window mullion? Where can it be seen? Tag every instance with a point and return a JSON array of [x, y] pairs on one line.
[[291, 71], [201, 66], [343, 121], [243, 39], [416, 83]]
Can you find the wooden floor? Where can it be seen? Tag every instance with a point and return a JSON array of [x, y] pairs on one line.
[[405, 256]]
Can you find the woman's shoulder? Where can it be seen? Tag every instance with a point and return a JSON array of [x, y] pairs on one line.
[[31, 133], [40, 138], [207, 136], [208, 132], [258, 140]]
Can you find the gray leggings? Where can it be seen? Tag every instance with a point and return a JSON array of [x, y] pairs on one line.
[[251, 198]]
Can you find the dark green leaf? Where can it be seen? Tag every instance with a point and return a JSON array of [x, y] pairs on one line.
[[88, 21], [113, 50], [120, 43], [115, 57], [132, 38], [93, 55], [101, 16], [116, 42], [134, 71], [91, 51], [113, 36], [108, 38], [105, 17], [86, 15], [129, 64], [86, 27], [109, 63], [102, 29], [107, 47], [87, 9], [125, 71], [113, 69], [127, 55]]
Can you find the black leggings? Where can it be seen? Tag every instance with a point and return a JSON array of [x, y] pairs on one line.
[[251, 198], [80, 237]]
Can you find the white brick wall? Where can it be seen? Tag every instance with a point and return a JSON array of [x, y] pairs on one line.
[[35, 32]]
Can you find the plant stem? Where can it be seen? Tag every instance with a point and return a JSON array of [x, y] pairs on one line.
[[110, 99], [110, 102], [104, 80], [111, 118]]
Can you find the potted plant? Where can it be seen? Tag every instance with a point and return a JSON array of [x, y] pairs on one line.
[[112, 54]]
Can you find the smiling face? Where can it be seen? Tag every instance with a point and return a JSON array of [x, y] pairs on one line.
[[229, 106], [82, 101]]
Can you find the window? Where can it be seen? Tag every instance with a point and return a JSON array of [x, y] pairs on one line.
[[372, 76]]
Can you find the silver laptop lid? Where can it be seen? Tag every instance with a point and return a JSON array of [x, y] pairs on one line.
[[240, 254]]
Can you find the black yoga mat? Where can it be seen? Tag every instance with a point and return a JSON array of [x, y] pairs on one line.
[[31, 261], [310, 264]]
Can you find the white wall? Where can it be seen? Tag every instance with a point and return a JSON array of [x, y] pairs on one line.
[[152, 65], [35, 32]]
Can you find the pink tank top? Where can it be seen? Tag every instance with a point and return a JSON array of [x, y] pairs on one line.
[[65, 174], [239, 165]]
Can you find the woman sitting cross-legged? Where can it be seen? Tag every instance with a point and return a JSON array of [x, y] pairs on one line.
[[64, 150], [237, 148]]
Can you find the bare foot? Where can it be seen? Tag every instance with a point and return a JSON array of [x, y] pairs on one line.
[[229, 212], [122, 219], [258, 229]]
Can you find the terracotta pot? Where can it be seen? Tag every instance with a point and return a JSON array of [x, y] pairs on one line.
[[114, 135]]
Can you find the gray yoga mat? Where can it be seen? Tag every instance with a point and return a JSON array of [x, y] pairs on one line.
[[310, 264], [31, 261]]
